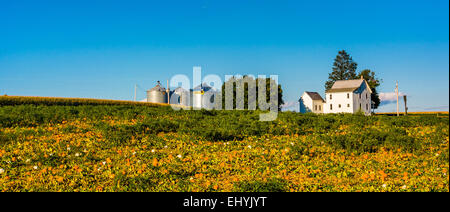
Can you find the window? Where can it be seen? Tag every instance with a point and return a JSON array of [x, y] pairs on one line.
[[348, 105], [348, 95], [331, 107], [367, 106], [315, 107], [331, 96], [366, 95], [339, 105], [360, 106], [320, 107]]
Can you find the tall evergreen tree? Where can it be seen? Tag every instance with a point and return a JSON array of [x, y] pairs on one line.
[[344, 68]]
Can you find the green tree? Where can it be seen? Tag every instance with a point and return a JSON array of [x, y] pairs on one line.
[[250, 81], [344, 68], [373, 82]]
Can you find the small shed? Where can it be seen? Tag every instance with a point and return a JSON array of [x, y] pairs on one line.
[[311, 102]]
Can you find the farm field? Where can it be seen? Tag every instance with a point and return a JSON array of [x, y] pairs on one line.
[[77, 145]]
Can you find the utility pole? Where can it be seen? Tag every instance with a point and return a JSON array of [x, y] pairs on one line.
[[168, 92], [396, 93], [406, 107]]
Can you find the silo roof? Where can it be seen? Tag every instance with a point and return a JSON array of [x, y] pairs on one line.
[[180, 89], [203, 86], [158, 88]]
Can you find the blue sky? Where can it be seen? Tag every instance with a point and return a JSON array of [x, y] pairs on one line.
[[100, 49]]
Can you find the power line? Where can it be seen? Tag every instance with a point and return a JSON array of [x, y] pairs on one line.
[[136, 89]]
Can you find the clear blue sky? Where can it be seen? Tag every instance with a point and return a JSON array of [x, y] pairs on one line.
[[100, 49]]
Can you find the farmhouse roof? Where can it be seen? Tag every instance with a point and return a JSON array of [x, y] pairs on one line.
[[314, 95], [347, 86]]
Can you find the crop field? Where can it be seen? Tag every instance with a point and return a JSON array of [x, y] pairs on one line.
[[70, 145]]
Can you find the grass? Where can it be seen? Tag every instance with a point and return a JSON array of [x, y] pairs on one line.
[[54, 145]]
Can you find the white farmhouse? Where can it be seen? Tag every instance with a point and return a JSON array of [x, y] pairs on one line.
[[348, 96], [311, 102]]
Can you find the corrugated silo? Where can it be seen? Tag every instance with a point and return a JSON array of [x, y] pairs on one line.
[[203, 96], [180, 96], [157, 94], [197, 94]]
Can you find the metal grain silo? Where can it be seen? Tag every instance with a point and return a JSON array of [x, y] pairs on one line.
[[208, 97], [197, 94], [157, 94], [180, 96], [204, 96]]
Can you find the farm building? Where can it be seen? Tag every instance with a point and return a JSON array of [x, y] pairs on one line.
[[348, 96], [311, 102], [345, 96], [157, 94], [181, 96], [201, 96]]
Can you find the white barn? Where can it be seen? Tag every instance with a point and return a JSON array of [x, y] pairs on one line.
[[348, 96], [311, 102]]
